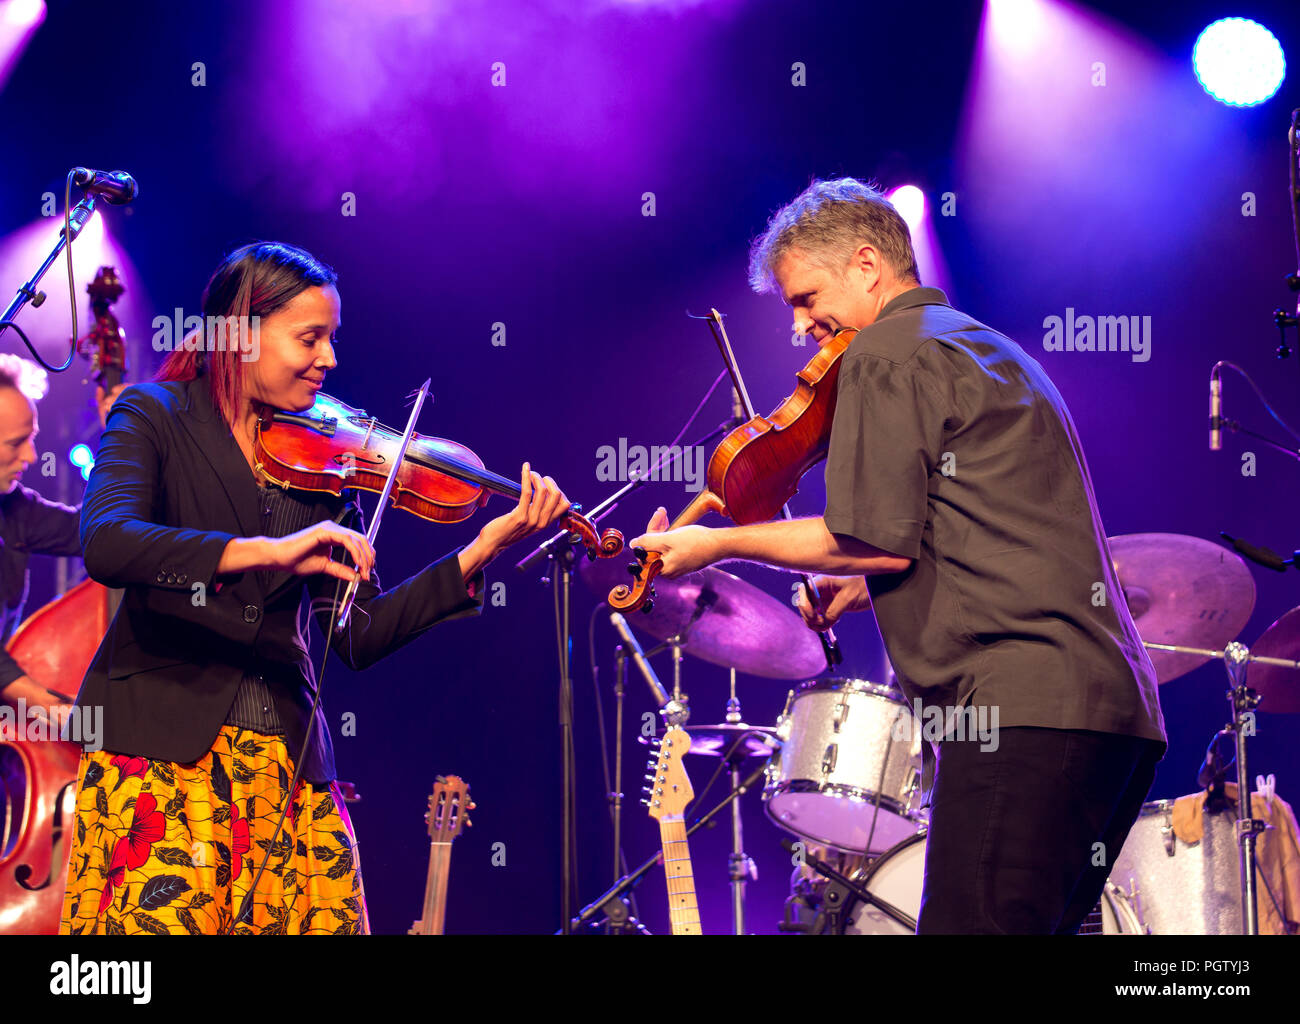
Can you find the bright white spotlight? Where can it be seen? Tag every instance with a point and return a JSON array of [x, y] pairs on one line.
[[23, 13], [81, 456], [1016, 25], [909, 201], [1239, 62]]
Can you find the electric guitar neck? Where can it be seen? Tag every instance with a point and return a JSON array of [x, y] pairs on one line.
[[670, 793]]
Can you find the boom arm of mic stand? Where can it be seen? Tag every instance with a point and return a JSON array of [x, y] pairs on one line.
[[607, 506]]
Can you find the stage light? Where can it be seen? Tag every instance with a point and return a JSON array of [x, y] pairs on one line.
[[909, 201], [81, 456], [1016, 25], [19, 20], [1239, 62], [23, 13]]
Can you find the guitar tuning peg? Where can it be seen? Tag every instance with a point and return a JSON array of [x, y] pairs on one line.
[[648, 607], [639, 553]]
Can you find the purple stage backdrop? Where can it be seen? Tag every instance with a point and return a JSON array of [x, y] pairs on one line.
[[532, 203]]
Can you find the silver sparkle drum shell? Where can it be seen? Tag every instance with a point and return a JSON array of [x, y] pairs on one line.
[[1180, 888], [845, 743]]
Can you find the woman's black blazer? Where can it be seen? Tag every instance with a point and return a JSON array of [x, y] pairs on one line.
[[169, 489]]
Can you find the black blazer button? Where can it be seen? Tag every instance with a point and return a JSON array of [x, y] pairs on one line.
[[162, 577], [251, 612], [181, 578], [171, 577]]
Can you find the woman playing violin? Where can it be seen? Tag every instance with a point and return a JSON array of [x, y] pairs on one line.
[[204, 676]]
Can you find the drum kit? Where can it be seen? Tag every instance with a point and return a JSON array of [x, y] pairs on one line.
[[843, 769]]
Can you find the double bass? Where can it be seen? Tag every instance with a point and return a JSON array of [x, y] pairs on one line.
[[54, 646]]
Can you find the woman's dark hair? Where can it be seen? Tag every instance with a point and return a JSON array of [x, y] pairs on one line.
[[252, 281]]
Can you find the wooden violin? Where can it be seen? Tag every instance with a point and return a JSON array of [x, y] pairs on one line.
[[756, 468], [333, 446]]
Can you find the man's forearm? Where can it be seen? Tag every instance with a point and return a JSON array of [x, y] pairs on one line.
[[805, 545]]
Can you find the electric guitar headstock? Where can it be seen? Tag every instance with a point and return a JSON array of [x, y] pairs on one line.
[[669, 791]]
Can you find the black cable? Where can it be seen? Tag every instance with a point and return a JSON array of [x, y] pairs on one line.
[[72, 290], [1259, 394]]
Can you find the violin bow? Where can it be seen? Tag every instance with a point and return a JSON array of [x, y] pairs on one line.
[[345, 608], [830, 646]]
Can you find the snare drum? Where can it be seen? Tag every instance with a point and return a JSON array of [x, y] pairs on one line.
[[848, 774]]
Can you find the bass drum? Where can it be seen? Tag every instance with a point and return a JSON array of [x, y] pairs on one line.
[[896, 878]]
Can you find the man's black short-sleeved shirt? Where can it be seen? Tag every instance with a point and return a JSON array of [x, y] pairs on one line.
[[950, 446]]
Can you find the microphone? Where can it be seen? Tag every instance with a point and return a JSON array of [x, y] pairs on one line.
[[1216, 407], [638, 655], [115, 187], [1266, 557], [1214, 768]]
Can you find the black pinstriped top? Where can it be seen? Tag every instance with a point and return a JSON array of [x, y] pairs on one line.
[[253, 707]]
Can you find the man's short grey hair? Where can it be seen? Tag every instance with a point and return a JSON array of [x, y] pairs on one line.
[[24, 375], [829, 220]]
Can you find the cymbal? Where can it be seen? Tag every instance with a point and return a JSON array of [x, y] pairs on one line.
[[1280, 687], [715, 740], [740, 627], [1182, 591]]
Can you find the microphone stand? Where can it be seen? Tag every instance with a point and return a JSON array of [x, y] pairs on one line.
[[77, 218], [560, 550], [616, 797], [563, 558], [1281, 318]]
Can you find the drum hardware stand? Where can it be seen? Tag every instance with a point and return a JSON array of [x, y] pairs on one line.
[[740, 866], [848, 885], [631, 879], [1243, 700], [827, 921]]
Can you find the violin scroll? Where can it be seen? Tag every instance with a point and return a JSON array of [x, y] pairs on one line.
[[607, 545], [640, 594]]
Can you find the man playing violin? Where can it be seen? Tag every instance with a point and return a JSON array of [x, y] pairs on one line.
[[204, 675], [959, 507]]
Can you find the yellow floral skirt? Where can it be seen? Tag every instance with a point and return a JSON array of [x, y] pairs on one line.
[[173, 848]]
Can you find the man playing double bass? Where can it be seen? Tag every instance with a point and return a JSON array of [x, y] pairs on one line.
[[29, 523], [959, 507]]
